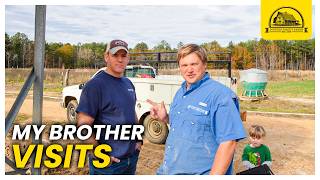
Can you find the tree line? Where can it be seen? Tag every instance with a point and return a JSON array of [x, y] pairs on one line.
[[262, 54]]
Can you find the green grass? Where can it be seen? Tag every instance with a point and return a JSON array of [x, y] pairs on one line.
[[298, 89], [275, 105], [292, 89], [287, 89]]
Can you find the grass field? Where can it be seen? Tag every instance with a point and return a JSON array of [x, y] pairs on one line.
[[284, 89], [301, 89], [292, 89]]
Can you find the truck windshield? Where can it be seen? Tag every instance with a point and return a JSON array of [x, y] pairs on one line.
[[139, 72]]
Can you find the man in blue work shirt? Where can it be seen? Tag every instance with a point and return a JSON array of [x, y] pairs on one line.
[[109, 99], [204, 120]]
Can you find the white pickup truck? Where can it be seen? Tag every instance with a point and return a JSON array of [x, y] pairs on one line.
[[147, 86]]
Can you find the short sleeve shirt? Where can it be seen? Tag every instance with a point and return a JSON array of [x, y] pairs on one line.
[[110, 101], [201, 118]]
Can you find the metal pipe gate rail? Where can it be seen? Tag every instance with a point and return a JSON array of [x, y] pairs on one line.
[[155, 62], [36, 78]]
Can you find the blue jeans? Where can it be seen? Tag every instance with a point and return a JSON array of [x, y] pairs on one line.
[[126, 166]]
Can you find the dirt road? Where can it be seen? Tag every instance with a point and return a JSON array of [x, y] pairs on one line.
[[291, 142]]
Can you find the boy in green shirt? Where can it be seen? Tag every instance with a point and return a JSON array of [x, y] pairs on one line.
[[256, 154]]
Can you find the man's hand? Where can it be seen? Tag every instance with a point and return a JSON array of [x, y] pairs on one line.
[[114, 159], [158, 111]]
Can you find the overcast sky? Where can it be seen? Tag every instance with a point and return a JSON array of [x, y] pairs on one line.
[[150, 24]]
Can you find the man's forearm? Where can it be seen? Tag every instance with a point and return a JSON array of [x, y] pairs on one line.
[[92, 140], [223, 158], [84, 119]]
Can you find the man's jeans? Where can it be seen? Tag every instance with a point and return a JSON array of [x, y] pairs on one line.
[[126, 166]]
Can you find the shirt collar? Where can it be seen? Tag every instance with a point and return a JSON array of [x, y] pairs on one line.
[[195, 85]]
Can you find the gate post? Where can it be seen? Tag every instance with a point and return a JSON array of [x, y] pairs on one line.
[[39, 52]]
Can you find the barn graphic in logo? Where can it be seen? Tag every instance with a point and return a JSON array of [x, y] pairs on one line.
[[286, 20]]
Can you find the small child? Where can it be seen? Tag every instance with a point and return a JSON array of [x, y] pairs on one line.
[[256, 154]]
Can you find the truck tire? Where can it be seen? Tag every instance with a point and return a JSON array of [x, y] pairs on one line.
[[71, 111], [155, 131]]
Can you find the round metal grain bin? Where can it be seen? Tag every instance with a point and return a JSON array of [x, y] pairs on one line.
[[254, 82]]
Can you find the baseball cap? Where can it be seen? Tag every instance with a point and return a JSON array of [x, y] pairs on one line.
[[115, 45]]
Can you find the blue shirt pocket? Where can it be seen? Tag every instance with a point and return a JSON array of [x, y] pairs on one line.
[[195, 123]]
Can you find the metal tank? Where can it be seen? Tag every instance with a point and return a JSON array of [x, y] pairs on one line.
[[254, 82]]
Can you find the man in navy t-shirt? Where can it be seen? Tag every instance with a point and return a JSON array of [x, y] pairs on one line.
[[109, 99]]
